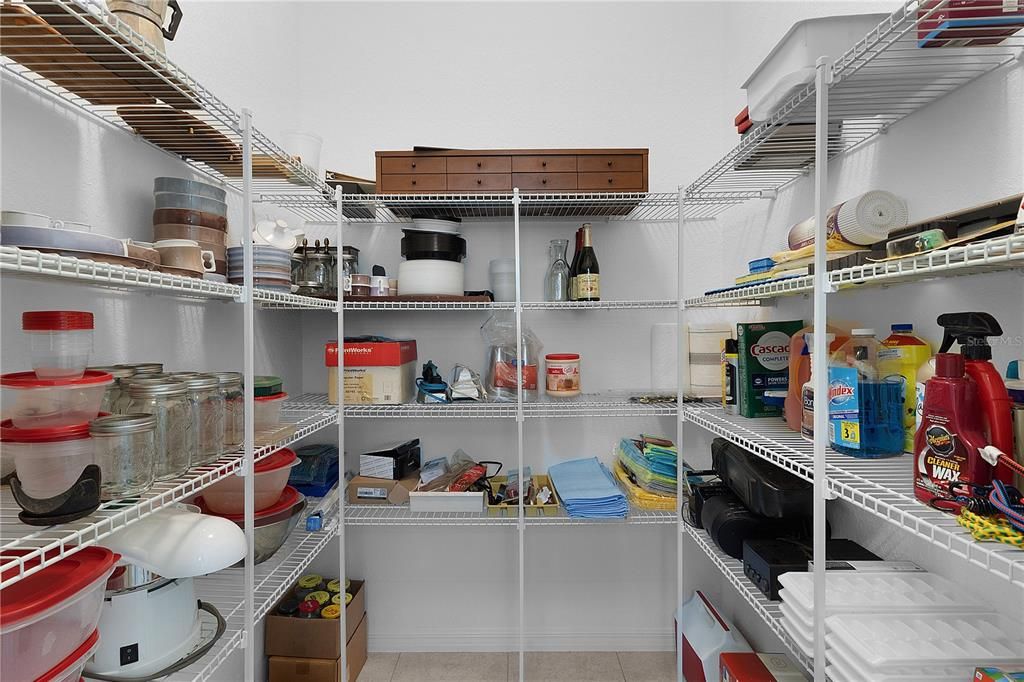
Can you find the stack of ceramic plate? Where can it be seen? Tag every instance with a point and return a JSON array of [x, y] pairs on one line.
[[271, 267], [190, 209]]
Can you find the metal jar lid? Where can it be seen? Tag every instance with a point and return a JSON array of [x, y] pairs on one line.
[[117, 371], [228, 378], [145, 367], [122, 424], [201, 382], [164, 388]]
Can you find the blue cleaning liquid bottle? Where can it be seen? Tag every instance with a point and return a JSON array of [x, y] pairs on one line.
[[865, 410]]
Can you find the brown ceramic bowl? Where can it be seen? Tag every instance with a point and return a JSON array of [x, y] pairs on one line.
[[197, 233], [184, 216], [146, 253], [221, 267]]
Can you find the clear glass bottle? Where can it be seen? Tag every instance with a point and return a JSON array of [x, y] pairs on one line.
[[556, 282], [125, 450], [207, 410], [167, 401], [234, 409]]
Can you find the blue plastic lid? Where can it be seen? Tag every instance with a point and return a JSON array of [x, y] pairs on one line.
[[896, 328]]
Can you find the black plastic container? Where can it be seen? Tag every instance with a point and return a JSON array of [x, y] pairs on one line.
[[418, 245]]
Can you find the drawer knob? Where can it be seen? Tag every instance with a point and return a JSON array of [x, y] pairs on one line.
[[479, 165], [609, 181], [414, 182], [609, 164], [543, 164], [544, 181], [413, 164], [479, 182]]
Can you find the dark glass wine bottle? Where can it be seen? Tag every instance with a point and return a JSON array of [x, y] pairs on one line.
[[588, 274], [575, 264]]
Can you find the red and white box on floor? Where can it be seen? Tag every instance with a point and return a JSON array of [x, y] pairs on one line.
[[377, 372]]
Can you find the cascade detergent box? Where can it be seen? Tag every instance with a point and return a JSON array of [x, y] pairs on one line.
[[377, 371], [763, 364]]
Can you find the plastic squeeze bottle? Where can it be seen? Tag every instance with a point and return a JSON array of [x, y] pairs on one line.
[[971, 331], [903, 355], [950, 437], [800, 371]]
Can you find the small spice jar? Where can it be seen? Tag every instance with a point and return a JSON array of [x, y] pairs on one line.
[[308, 583], [166, 400], [125, 450], [330, 612], [114, 390], [234, 409], [309, 609], [207, 409], [562, 374]]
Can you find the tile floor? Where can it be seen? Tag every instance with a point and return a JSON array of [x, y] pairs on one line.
[[540, 666]]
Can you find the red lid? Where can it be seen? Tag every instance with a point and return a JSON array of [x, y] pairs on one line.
[[51, 434], [279, 460], [289, 498], [52, 585], [275, 396], [949, 365], [55, 320], [561, 357], [309, 606], [30, 380], [71, 660]]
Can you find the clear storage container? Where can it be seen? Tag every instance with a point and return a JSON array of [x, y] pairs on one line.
[[167, 401], [207, 409], [60, 342], [34, 403], [267, 414], [49, 614], [48, 460], [227, 496], [234, 409], [125, 452]]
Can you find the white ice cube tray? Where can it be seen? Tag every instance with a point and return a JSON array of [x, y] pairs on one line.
[[885, 642], [870, 592], [841, 667]]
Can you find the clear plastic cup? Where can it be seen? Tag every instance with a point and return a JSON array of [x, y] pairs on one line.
[[60, 342]]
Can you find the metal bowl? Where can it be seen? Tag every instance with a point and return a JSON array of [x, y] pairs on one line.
[[272, 533]]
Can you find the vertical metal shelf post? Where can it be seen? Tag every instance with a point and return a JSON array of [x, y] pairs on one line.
[[823, 78], [249, 353], [340, 532], [680, 371], [521, 519]]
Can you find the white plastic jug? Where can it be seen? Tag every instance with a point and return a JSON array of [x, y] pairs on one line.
[[706, 635]]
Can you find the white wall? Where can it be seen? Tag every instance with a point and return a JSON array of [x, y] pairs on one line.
[[372, 76]]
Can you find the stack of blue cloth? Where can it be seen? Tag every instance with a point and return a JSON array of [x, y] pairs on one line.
[[588, 490]]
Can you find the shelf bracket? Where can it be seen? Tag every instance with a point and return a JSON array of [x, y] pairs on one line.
[[243, 295]]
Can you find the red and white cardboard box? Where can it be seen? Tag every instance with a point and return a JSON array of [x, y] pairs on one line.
[[376, 372]]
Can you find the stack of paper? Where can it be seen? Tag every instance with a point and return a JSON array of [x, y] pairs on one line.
[[588, 490]]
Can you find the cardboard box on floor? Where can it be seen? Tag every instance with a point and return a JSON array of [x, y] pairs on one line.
[[368, 490], [292, 669], [315, 637]]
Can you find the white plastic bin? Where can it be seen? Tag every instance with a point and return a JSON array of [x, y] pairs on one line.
[[49, 461]]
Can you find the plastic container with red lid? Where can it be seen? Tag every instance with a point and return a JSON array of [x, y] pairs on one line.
[[34, 403], [49, 460], [60, 342], [280, 509], [227, 496], [70, 669], [48, 615], [267, 413]]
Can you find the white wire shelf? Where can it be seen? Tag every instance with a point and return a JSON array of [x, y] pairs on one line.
[[877, 82], [278, 300], [402, 208], [883, 487], [611, 404], [225, 590], [990, 255], [79, 53], [768, 610], [387, 515], [600, 305], [507, 305], [52, 543]]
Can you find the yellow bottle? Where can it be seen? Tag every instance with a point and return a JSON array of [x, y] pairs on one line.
[[903, 355]]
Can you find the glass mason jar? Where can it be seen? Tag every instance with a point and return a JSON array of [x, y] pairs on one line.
[[206, 405], [167, 400], [114, 390], [234, 409], [125, 449], [120, 404]]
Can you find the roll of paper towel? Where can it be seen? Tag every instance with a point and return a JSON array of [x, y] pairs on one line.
[[665, 352], [862, 220]]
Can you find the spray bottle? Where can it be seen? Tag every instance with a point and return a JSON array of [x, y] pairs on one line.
[[971, 330]]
